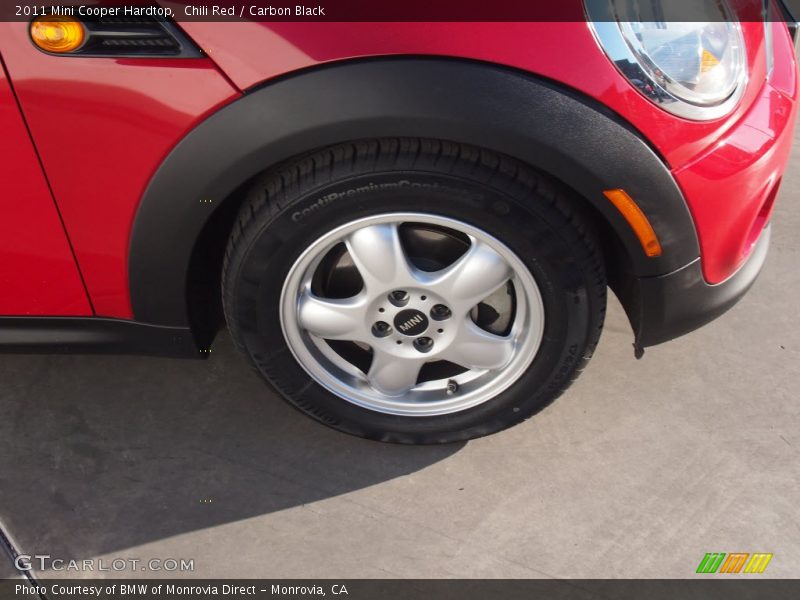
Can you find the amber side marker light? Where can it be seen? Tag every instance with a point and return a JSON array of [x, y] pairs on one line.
[[637, 220], [58, 35]]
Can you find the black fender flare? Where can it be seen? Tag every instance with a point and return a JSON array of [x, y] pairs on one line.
[[573, 138]]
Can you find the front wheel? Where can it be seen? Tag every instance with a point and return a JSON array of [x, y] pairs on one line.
[[414, 291]]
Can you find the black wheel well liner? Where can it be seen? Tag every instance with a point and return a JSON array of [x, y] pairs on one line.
[[189, 206]]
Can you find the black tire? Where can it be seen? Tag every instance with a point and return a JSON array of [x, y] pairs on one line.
[[534, 216]]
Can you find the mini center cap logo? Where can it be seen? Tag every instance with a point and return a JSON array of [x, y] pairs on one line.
[[411, 322]]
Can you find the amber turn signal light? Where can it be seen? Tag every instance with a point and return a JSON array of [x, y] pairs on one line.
[[57, 34], [637, 221]]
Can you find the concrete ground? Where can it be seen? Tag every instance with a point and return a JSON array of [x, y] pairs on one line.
[[638, 471], [7, 570]]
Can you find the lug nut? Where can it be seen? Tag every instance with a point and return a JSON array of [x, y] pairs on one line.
[[423, 344], [440, 312], [399, 297], [381, 329]]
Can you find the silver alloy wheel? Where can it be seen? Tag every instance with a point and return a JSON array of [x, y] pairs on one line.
[[415, 329]]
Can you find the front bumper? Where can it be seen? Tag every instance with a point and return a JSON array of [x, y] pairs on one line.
[[672, 305], [731, 188]]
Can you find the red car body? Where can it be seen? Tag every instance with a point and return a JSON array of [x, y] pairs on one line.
[[84, 139]]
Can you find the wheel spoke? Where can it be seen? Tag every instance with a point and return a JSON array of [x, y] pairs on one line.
[[379, 256], [475, 348], [391, 375], [333, 319], [472, 277]]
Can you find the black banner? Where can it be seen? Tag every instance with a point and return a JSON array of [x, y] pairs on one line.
[[708, 587], [385, 10]]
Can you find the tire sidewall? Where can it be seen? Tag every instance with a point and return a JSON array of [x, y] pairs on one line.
[[268, 252]]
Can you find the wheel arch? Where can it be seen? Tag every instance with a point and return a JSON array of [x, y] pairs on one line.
[[190, 204]]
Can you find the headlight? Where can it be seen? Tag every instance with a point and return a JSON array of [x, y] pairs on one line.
[[696, 70]]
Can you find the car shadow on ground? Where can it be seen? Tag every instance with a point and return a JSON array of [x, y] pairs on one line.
[[102, 453]]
